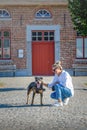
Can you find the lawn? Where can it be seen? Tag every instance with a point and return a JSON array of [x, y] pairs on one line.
[[2, 84]]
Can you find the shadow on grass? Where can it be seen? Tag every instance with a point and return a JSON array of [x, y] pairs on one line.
[[23, 106], [11, 89]]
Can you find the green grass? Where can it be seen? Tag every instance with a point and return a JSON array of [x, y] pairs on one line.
[[86, 84], [2, 84]]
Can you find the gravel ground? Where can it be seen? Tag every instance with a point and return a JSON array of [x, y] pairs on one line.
[[16, 115]]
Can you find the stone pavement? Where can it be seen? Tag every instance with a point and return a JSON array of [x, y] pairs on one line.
[[16, 115]]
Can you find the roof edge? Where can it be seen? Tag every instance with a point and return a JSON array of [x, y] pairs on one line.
[[35, 4]]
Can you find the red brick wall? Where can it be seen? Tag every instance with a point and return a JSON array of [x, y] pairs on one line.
[[68, 47], [22, 16]]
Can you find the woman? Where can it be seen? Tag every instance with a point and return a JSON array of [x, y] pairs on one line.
[[63, 86]]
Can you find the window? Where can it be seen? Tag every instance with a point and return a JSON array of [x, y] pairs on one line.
[[48, 36], [43, 36], [43, 14], [85, 47], [4, 44], [36, 36], [81, 47], [4, 13]]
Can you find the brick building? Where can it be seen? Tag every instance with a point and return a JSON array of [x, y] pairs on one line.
[[36, 33]]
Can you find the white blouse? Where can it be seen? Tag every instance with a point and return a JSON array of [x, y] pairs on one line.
[[64, 79]]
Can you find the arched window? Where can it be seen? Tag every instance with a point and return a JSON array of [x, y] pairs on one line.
[[4, 13], [43, 14]]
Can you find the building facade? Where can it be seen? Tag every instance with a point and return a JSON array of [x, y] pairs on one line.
[[34, 34]]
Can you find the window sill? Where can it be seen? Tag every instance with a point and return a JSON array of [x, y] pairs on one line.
[[4, 19], [81, 60]]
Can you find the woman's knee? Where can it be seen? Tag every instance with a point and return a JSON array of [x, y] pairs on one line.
[[53, 95]]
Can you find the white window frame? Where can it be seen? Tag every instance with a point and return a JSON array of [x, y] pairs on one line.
[[4, 14], [43, 14], [81, 48]]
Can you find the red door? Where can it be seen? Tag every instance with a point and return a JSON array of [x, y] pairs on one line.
[[42, 57]]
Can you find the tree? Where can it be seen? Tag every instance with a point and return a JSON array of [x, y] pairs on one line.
[[78, 11]]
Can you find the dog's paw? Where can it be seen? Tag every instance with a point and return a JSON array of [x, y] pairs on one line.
[[44, 89], [26, 102]]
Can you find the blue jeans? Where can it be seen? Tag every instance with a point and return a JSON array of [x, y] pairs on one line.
[[61, 92]]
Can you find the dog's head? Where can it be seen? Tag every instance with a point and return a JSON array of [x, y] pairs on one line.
[[38, 80]]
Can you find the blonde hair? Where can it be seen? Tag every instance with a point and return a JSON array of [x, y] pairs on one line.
[[57, 65]]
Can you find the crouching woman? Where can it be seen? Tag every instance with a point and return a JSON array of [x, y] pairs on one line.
[[62, 85]]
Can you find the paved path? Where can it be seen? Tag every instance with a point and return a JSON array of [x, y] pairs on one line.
[[16, 115]]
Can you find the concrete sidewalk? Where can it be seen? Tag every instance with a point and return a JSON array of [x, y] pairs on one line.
[[16, 115]]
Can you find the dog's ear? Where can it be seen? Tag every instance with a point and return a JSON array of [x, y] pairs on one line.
[[41, 78], [35, 78]]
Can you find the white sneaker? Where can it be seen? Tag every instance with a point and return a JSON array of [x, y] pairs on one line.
[[65, 102], [57, 104]]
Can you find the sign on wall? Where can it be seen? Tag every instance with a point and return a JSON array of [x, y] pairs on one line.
[[20, 53]]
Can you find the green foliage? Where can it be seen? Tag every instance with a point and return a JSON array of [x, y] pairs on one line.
[[78, 10]]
